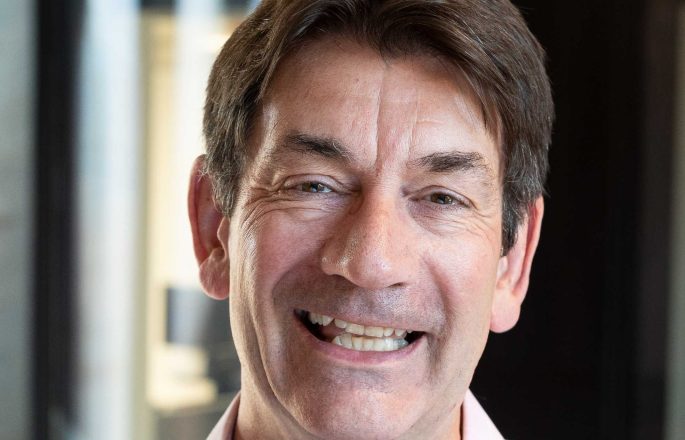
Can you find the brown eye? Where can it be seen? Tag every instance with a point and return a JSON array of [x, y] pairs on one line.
[[314, 187], [441, 199]]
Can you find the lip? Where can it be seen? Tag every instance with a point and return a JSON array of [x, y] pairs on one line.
[[354, 357], [361, 321]]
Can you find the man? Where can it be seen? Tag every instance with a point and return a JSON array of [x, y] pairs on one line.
[[370, 204]]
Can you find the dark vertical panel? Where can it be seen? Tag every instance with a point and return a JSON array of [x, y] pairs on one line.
[[623, 77], [586, 359], [58, 31], [659, 70]]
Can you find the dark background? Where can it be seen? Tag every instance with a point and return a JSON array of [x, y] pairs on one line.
[[587, 359]]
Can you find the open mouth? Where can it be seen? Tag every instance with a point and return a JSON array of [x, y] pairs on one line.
[[355, 336]]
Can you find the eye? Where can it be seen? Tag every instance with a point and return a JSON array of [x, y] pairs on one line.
[[442, 199], [313, 187], [447, 200]]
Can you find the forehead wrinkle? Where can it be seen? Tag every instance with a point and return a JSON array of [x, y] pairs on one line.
[[415, 123], [388, 129], [379, 104]]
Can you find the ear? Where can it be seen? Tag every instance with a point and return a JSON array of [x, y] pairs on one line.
[[210, 233], [513, 272]]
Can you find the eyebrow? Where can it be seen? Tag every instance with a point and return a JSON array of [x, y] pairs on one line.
[[454, 161], [322, 146]]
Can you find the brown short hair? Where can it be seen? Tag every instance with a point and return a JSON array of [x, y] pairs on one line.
[[488, 40]]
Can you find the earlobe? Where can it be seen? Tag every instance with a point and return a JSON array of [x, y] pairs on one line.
[[210, 233], [513, 272]]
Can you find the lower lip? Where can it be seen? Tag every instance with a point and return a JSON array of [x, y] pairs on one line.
[[355, 357]]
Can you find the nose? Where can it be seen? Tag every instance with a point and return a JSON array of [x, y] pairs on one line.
[[372, 246]]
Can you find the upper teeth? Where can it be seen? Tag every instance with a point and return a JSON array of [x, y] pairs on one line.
[[358, 329]]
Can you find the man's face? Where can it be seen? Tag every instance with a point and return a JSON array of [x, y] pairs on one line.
[[372, 196]]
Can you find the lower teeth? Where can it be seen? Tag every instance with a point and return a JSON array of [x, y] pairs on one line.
[[361, 343]]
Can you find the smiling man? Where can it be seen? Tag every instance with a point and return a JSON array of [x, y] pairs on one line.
[[370, 204]]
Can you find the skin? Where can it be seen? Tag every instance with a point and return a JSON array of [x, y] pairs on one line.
[[372, 227]]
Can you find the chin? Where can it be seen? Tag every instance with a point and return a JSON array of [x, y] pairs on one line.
[[359, 416]]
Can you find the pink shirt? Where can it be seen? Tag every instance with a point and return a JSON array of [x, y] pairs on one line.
[[475, 423]]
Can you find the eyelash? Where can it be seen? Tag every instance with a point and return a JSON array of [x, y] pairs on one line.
[[301, 185], [320, 187]]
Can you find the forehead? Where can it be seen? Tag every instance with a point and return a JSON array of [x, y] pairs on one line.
[[409, 105]]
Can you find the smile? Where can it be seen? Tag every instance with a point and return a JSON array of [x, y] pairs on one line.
[[355, 336]]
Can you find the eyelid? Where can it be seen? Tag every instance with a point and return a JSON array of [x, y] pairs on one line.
[[293, 181]]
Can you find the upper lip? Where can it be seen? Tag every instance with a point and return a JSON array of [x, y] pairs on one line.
[[366, 321]]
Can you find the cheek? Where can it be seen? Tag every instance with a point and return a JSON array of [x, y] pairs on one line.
[[279, 243], [266, 251], [466, 275], [261, 255], [466, 265]]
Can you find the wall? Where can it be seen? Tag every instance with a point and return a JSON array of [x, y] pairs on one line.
[[16, 147]]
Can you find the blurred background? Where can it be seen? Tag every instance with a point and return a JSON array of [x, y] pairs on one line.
[[104, 333]]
